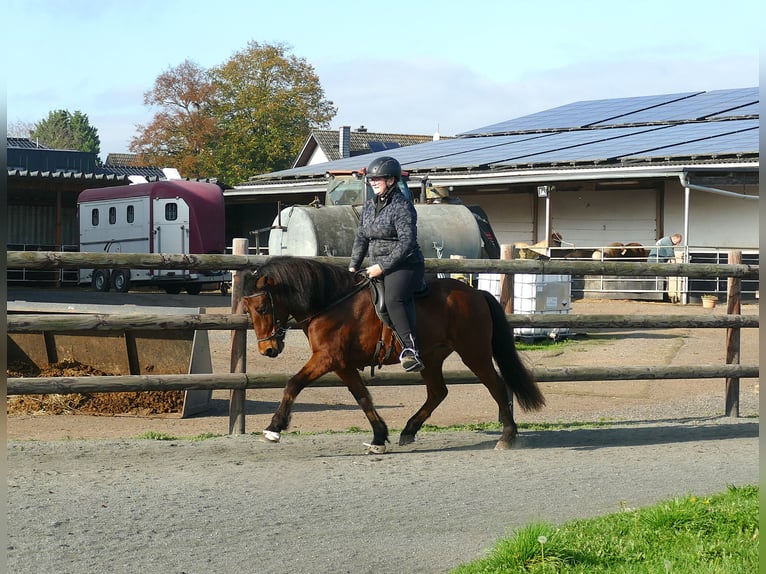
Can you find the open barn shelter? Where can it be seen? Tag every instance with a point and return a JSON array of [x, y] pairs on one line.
[[628, 170]]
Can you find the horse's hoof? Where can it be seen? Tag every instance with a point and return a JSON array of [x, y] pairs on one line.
[[503, 445], [406, 439], [375, 448], [271, 436]]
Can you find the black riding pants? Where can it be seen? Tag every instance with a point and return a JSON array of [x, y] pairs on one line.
[[400, 284]]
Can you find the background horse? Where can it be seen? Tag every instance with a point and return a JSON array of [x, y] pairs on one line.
[[334, 308]]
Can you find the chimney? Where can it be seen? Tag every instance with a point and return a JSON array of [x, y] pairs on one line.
[[344, 141]]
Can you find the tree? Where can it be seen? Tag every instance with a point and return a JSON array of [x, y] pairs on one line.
[[267, 104], [248, 116], [64, 130], [19, 129], [180, 134]]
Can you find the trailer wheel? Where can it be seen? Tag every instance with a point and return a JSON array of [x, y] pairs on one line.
[[194, 289], [173, 289], [100, 280], [121, 280]]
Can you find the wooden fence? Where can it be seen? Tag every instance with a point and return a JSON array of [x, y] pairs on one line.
[[238, 381]]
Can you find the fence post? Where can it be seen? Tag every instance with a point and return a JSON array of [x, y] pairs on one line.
[[237, 399], [733, 307], [506, 281]]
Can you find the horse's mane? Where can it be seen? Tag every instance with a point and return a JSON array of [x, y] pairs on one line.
[[303, 284]]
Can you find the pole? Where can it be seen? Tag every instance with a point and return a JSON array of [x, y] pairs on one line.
[[237, 399], [733, 307]]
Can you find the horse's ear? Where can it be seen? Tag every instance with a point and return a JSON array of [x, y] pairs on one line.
[[248, 282]]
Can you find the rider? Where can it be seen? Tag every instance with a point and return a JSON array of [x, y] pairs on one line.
[[388, 233]]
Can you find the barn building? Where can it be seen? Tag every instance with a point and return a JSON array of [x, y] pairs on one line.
[[616, 170]]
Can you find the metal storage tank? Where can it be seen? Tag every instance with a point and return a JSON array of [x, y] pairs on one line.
[[443, 230]]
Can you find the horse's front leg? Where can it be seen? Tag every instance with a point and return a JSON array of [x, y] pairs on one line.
[[311, 371], [359, 390]]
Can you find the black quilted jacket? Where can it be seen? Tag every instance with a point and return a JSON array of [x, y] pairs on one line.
[[387, 233]]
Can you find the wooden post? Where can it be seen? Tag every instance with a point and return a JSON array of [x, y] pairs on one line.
[[237, 399], [733, 307], [506, 281], [506, 299]]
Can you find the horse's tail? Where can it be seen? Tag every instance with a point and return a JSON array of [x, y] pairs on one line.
[[520, 380]]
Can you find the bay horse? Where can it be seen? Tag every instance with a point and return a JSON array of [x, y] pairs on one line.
[[334, 308]]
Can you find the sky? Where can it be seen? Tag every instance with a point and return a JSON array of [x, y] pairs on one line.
[[413, 67]]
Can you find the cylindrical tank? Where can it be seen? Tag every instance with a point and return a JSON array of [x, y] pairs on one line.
[[443, 230]]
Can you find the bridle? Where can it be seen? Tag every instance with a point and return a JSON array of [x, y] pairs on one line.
[[277, 329]]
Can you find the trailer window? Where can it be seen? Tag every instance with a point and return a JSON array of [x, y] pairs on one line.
[[131, 214], [94, 217], [171, 211], [112, 215]]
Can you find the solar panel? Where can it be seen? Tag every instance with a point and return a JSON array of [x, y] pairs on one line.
[[695, 107], [628, 128], [578, 114]]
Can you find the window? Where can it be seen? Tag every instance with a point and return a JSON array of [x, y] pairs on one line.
[[94, 217], [171, 211], [112, 215], [131, 215]]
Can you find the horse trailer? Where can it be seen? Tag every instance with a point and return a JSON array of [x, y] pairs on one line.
[[174, 217]]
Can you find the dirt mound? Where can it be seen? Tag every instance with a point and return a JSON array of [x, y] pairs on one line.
[[134, 403]]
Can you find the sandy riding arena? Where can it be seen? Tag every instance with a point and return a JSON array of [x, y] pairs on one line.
[[86, 495]]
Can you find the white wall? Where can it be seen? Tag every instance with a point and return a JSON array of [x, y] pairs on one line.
[[714, 220], [510, 214]]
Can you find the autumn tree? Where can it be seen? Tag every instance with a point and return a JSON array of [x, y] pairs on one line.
[[181, 134], [247, 116], [267, 103], [64, 130]]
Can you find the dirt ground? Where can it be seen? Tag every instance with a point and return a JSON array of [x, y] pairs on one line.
[[316, 503], [322, 409]]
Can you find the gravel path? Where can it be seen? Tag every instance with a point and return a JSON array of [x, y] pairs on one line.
[[314, 504]]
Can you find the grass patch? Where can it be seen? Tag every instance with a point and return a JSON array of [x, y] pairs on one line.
[[544, 344], [497, 426], [689, 535], [152, 435]]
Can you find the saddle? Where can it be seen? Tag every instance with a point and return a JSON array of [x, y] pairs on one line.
[[377, 292], [383, 350]]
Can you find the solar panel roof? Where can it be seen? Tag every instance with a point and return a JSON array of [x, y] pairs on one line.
[[700, 125]]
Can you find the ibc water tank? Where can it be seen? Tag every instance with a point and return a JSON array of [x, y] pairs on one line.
[[443, 230]]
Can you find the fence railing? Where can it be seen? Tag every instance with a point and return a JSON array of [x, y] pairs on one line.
[[733, 321]]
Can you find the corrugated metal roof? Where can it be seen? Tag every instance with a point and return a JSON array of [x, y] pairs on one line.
[[652, 130]]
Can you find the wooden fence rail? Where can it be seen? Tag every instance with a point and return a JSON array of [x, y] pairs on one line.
[[135, 383], [37, 322], [237, 382], [56, 260]]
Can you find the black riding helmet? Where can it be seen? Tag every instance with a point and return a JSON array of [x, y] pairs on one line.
[[386, 167]]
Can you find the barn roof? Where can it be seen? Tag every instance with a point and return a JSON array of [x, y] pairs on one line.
[[659, 131]]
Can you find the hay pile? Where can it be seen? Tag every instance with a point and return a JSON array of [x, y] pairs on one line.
[[133, 403]]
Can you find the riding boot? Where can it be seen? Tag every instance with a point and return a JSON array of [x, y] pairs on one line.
[[409, 357]]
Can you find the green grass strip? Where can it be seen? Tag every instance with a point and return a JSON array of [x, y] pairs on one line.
[[690, 535]]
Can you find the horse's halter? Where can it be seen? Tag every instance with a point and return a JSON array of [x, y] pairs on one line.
[[277, 329]]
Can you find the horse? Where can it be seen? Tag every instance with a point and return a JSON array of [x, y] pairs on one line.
[[617, 250], [538, 250], [334, 308]]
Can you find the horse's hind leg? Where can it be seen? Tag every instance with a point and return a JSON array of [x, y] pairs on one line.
[[363, 398], [436, 390], [499, 391]]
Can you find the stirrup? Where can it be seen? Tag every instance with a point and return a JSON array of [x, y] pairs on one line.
[[410, 360]]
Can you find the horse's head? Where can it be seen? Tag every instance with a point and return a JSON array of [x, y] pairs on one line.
[[269, 320]]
